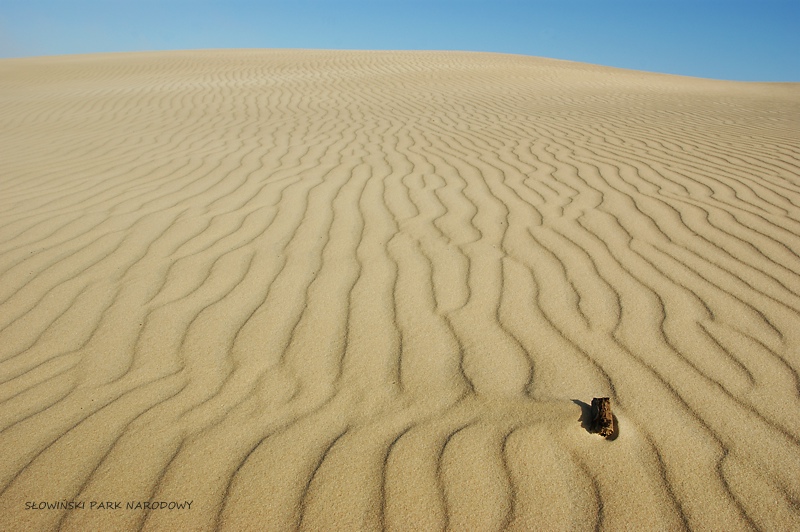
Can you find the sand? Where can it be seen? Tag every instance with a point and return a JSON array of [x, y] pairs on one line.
[[329, 290]]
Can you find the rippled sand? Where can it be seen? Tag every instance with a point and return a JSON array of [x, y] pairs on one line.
[[363, 290]]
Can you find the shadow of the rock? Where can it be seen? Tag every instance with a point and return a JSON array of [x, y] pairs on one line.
[[586, 415]]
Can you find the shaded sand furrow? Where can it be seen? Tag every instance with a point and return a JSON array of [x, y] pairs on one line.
[[594, 351], [327, 290], [748, 160], [721, 188], [629, 306], [130, 151], [667, 141], [676, 380], [654, 123], [628, 198], [681, 199], [743, 246]]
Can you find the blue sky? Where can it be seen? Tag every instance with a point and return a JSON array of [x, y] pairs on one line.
[[749, 40]]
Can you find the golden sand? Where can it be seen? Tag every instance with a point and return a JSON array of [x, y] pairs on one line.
[[328, 290]]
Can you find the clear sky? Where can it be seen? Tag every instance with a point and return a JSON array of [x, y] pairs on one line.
[[749, 40]]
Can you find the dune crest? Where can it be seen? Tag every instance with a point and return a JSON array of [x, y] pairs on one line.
[[329, 290]]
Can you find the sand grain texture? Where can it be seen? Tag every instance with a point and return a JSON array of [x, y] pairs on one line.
[[376, 290]]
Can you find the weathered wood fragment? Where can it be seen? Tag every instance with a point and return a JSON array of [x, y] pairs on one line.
[[602, 419]]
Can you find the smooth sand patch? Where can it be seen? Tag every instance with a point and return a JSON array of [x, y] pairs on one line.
[[335, 290]]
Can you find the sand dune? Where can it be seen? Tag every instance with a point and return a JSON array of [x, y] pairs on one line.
[[375, 290]]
